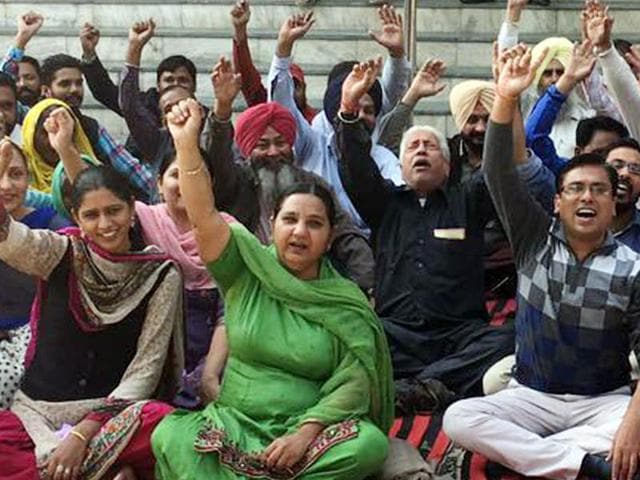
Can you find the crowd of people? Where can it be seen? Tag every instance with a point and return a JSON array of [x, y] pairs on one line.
[[260, 297]]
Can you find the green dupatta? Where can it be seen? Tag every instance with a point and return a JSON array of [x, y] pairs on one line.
[[339, 306]]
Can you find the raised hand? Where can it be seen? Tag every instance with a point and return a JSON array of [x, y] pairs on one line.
[[518, 71], [599, 24], [59, 127], [184, 122], [358, 83], [294, 28], [226, 86], [141, 32], [427, 79], [582, 61], [391, 35], [28, 26], [240, 16], [89, 38]]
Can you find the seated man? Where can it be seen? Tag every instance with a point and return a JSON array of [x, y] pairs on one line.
[[316, 152], [146, 121], [265, 135], [428, 239], [578, 303]]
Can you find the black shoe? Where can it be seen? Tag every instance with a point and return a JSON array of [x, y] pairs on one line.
[[421, 396], [596, 467]]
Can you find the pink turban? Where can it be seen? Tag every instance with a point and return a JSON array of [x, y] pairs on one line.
[[252, 123]]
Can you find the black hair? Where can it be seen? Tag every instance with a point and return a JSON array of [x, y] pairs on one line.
[[52, 64], [341, 69], [8, 81], [585, 160], [630, 143], [95, 178], [312, 188], [174, 62], [33, 62], [588, 127]]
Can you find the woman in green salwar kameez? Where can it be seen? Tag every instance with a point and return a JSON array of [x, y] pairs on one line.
[[307, 390]]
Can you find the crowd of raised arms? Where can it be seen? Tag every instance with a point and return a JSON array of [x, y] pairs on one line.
[[280, 294]]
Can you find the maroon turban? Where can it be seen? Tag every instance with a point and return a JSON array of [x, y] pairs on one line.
[[252, 123]]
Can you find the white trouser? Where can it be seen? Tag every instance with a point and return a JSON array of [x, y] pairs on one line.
[[534, 433]]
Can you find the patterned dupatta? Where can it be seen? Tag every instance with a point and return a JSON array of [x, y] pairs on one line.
[[105, 288]]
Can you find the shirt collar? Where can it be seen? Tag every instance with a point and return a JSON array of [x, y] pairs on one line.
[[556, 230]]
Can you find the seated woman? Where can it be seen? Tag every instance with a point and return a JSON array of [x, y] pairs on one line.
[[307, 389], [18, 289], [167, 226], [106, 337]]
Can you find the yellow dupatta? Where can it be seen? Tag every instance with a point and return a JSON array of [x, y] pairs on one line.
[[41, 172]]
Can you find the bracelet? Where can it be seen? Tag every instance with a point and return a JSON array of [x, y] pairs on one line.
[[77, 434], [193, 171]]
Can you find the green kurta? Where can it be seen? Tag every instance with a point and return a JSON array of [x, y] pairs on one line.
[[299, 351]]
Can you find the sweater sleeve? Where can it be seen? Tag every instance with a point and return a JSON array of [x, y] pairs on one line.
[[524, 220], [624, 88]]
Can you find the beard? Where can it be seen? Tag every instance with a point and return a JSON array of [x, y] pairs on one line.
[[474, 143], [28, 97], [625, 201], [274, 176]]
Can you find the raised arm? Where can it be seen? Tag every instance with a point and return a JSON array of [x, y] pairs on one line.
[[359, 173], [426, 83], [211, 231], [524, 221], [509, 31], [282, 88], [59, 126], [252, 89], [34, 252], [218, 137], [618, 76], [397, 70], [102, 87], [143, 124], [544, 114], [28, 26]]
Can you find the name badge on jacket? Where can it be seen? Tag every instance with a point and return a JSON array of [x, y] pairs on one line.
[[450, 233]]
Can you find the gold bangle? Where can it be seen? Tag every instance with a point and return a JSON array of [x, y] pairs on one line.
[[77, 434], [194, 171]]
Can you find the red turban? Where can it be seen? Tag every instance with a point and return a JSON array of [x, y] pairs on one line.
[[252, 123]]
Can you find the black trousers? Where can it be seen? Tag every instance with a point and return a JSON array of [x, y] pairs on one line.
[[457, 355]]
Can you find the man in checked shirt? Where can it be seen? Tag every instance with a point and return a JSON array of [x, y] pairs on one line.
[[569, 405]]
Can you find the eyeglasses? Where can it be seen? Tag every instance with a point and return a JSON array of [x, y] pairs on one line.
[[619, 164], [558, 72], [577, 189]]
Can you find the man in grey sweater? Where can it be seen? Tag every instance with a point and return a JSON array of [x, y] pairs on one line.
[[578, 307]]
